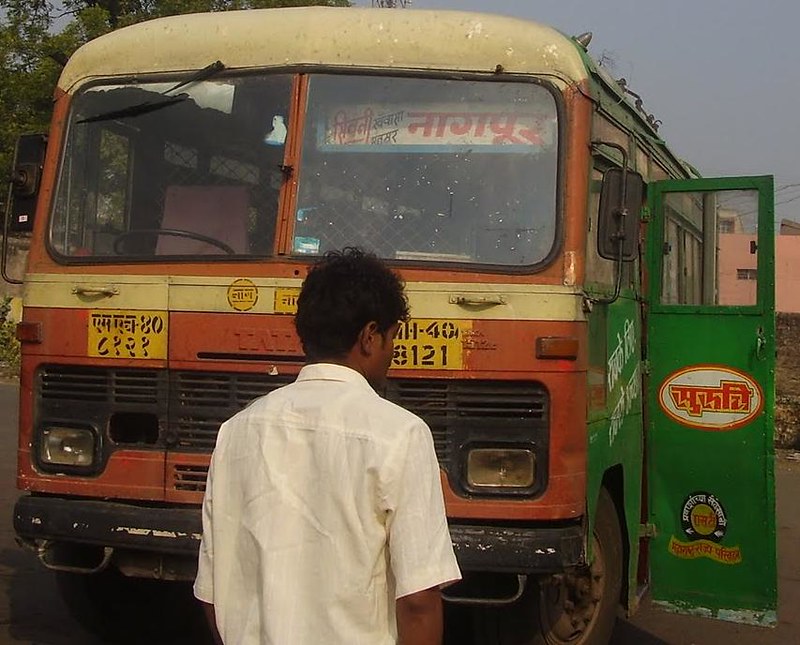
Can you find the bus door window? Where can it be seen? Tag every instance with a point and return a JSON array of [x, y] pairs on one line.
[[710, 248]]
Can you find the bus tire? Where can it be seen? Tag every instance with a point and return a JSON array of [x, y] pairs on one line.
[[574, 608]]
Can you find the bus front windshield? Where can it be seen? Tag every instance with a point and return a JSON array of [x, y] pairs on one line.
[[413, 169]]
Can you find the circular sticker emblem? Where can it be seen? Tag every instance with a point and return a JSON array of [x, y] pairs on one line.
[[703, 517], [242, 294], [711, 397]]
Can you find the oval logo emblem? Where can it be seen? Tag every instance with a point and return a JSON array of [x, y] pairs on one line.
[[711, 397], [242, 294]]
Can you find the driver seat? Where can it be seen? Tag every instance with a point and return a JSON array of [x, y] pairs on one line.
[[218, 212]]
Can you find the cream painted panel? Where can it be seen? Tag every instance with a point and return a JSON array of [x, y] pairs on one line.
[[212, 294], [96, 291], [217, 294], [343, 37], [494, 302]]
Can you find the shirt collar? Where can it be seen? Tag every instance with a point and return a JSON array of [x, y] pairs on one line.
[[333, 372]]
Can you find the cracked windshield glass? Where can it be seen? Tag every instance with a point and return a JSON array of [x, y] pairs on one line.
[[429, 170]]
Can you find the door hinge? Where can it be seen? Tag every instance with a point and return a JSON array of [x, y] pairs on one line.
[[647, 530], [645, 214], [645, 367]]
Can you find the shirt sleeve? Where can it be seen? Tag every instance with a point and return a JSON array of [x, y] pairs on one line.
[[420, 548], [204, 582]]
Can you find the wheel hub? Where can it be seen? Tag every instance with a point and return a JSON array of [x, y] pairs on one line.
[[568, 603]]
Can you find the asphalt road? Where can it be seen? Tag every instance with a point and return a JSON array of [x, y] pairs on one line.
[[31, 612]]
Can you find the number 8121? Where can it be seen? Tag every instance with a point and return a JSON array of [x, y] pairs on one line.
[[422, 355]]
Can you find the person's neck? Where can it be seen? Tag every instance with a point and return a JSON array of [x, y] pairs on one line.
[[354, 360], [345, 361]]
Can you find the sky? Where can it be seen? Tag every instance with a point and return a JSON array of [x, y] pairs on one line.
[[722, 75]]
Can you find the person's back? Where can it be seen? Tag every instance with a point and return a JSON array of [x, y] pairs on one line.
[[323, 506]]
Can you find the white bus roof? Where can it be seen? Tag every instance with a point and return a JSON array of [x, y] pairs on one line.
[[338, 37]]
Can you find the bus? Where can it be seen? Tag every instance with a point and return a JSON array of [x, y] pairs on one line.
[[599, 388]]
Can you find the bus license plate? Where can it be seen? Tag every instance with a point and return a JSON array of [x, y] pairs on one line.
[[127, 334], [430, 344]]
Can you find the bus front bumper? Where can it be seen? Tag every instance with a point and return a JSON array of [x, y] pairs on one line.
[[177, 531], [108, 524], [519, 549]]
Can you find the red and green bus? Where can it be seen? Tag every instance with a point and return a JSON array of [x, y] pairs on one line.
[[600, 397]]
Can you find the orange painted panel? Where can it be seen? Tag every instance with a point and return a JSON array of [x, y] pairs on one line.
[[510, 346], [565, 494], [217, 337], [186, 477], [129, 474], [65, 336]]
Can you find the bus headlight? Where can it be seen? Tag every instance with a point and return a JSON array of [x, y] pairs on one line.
[[61, 446], [501, 468]]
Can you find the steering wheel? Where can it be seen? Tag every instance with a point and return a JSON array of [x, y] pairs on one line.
[[174, 232]]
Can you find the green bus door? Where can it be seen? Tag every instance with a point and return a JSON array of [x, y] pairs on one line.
[[711, 370]]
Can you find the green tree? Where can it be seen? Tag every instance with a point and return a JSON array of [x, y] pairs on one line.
[[37, 37]]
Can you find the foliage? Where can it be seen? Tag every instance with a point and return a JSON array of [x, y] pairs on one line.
[[37, 36], [9, 345]]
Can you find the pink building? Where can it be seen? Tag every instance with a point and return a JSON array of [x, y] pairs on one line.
[[737, 268], [787, 273]]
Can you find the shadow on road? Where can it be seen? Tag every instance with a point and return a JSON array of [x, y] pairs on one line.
[[626, 633], [36, 613]]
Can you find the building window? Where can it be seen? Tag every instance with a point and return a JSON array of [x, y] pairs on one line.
[[746, 274], [726, 226]]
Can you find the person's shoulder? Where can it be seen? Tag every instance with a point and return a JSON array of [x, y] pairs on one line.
[[259, 405], [396, 414]]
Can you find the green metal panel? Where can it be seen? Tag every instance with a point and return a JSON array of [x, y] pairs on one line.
[[615, 415], [710, 408]]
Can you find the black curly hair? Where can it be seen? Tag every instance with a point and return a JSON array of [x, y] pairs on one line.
[[343, 292]]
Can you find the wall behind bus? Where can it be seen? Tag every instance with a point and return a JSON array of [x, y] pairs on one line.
[[787, 407]]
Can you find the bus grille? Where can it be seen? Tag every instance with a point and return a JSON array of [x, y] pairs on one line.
[[99, 385], [449, 406], [191, 406], [201, 401]]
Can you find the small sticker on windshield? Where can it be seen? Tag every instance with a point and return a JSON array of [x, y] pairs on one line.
[[308, 245]]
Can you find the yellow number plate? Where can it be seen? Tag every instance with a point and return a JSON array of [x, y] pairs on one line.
[[127, 334], [425, 344], [286, 300]]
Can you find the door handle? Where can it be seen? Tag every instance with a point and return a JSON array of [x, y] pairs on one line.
[[107, 290], [761, 343], [477, 301]]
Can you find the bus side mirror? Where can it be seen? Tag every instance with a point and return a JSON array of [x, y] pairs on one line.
[[25, 176], [618, 224]]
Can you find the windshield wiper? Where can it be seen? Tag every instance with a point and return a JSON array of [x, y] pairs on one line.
[[151, 106], [200, 75], [134, 110]]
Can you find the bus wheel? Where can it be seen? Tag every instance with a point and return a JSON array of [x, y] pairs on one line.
[[119, 609], [573, 608]]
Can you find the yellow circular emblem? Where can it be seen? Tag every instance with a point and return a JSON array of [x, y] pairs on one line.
[[704, 519], [242, 294]]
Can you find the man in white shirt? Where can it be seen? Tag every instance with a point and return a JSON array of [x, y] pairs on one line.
[[323, 519]]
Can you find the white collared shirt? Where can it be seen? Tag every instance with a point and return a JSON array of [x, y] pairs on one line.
[[323, 505]]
